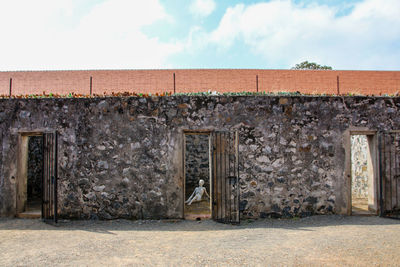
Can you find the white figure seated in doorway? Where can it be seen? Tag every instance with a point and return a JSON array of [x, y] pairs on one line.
[[197, 193]]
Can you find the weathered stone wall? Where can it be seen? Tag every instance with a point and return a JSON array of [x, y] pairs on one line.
[[122, 157], [35, 167], [196, 162], [359, 167]]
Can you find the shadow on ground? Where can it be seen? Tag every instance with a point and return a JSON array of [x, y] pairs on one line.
[[108, 227]]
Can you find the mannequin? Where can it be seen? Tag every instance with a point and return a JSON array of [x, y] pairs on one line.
[[197, 193]]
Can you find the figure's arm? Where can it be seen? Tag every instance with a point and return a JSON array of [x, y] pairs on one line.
[[205, 191], [191, 196]]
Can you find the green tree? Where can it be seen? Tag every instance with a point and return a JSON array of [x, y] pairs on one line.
[[310, 66]]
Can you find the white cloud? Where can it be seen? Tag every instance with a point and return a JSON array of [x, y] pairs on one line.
[[282, 31], [47, 34], [202, 8], [69, 34]]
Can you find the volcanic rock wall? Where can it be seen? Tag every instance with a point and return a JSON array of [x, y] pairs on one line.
[[123, 157]]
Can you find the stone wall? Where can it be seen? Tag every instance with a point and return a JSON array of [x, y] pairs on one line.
[[197, 162], [123, 157], [359, 167]]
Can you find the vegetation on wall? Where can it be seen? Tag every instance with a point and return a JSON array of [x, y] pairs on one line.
[[209, 93], [305, 65]]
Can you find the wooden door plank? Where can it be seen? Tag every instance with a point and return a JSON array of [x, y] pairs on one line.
[[396, 203], [49, 191], [214, 179], [237, 189], [393, 173], [44, 189], [387, 172], [47, 177], [230, 218], [219, 197], [220, 177], [226, 177], [50, 176], [223, 176], [55, 178]]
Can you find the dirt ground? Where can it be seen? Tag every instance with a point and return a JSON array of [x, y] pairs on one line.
[[313, 241]]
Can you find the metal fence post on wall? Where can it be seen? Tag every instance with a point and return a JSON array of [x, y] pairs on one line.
[[337, 82], [91, 84], [174, 84], [257, 82], [10, 87]]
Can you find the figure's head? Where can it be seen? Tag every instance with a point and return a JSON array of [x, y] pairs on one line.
[[201, 182]]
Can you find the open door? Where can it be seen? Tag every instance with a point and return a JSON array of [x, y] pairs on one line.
[[49, 192], [225, 173], [389, 172]]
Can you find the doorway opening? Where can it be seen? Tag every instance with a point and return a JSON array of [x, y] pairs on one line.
[[197, 174], [34, 174], [211, 175], [37, 176], [30, 182], [363, 175]]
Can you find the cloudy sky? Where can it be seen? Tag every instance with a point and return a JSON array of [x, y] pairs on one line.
[[131, 34]]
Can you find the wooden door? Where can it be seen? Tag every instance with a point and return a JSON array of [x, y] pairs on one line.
[[49, 192], [225, 176], [389, 172]]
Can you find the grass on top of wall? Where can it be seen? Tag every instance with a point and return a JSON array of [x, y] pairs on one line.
[[209, 93]]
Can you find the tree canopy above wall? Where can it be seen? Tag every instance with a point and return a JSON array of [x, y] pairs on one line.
[[305, 65]]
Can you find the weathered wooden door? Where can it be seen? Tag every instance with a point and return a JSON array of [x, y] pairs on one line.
[[389, 172], [225, 176], [49, 192]]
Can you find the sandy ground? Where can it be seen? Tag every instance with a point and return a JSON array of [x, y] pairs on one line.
[[313, 241]]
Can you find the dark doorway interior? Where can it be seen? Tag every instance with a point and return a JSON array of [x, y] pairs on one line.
[[197, 168], [34, 173]]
